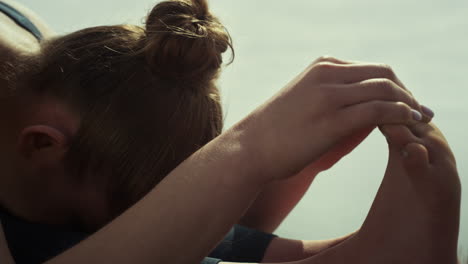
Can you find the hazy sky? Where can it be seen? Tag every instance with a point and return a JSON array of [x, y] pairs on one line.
[[425, 42]]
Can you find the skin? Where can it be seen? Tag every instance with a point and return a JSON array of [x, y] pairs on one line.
[[369, 93], [416, 163], [277, 199], [418, 202], [14, 39], [64, 201]]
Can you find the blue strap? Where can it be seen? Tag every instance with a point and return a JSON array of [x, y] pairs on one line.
[[21, 20]]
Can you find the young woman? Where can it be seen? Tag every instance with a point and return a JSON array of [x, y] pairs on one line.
[[116, 131]]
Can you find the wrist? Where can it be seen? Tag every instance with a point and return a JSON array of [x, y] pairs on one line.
[[239, 140], [311, 171]]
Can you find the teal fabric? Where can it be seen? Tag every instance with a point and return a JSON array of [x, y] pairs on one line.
[[243, 244], [32, 243], [21, 20], [211, 261]]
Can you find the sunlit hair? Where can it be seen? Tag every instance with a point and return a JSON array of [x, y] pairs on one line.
[[146, 97]]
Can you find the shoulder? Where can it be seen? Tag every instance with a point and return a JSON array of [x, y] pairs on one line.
[[16, 40], [45, 29]]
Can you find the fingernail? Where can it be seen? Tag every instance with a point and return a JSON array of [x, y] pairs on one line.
[[427, 111], [416, 115]]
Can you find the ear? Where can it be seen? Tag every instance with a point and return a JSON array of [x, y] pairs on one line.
[[42, 143]]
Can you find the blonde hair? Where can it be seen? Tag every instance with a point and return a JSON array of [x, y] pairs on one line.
[[146, 97]]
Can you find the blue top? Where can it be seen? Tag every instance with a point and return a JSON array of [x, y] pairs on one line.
[[21, 20]]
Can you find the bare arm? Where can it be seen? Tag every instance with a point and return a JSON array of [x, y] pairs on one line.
[[202, 198], [189, 211], [276, 201], [278, 198]]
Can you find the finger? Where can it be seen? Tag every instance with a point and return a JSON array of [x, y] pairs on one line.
[[358, 72], [355, 73], [372, 89], [374, 113], [331, 60]]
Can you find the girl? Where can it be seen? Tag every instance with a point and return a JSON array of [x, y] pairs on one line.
[[116, 131]]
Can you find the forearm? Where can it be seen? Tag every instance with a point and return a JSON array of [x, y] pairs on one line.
[[188, 212], [278, 198], [276, 201]]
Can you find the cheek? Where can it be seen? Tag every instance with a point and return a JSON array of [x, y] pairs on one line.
[[93, 210], [51, 202]]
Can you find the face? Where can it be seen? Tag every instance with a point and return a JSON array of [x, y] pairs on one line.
[[33, 146]]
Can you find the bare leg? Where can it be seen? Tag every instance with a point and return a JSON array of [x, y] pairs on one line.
[[416, 213]]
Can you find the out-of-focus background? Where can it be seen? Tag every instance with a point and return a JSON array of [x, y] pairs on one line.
[[426, 42]]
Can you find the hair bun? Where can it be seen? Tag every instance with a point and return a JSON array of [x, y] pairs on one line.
[[184, 41]]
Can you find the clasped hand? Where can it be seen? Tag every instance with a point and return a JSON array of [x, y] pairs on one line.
[[324, 113]]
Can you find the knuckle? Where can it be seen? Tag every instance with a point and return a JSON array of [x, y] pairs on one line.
[[413, 102], [394, 112], [394, 92], [402, 95], [405, 111], [387, 86], [325, 58], [323, 69], [387, 71]]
